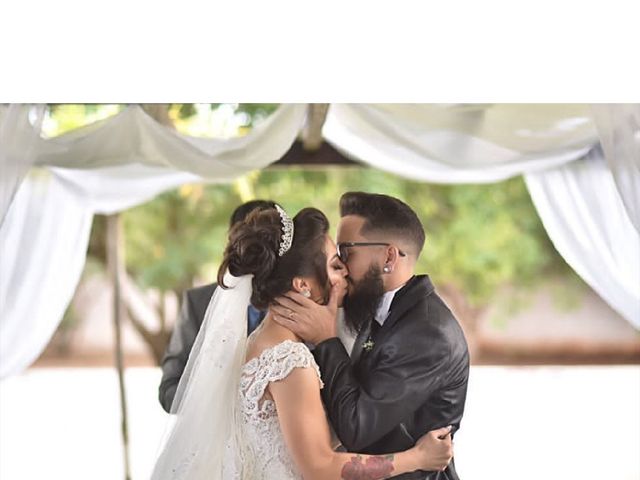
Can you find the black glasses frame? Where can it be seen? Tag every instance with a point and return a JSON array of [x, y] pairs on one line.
[[342, 248]]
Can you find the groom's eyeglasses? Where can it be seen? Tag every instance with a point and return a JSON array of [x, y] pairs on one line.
[[343, 248]]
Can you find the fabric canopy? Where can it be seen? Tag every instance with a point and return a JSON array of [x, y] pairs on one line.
[[619, 129], [43, 254], [102, 168], [133, 143], [585, 218], [461, 143], [59, 183]]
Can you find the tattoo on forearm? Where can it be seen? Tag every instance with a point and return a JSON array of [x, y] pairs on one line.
[[375, 468]]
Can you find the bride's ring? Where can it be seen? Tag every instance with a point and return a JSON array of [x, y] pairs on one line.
[[291, 312]]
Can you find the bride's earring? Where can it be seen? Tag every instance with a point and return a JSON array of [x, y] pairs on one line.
[[306, 293], [386, 269]]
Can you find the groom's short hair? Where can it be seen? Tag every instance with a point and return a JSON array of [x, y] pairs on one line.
[[385, 215]]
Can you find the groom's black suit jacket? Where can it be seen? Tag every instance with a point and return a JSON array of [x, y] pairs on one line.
[[413, 380]]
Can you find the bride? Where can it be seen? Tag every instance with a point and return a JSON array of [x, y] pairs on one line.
[[250, 408]]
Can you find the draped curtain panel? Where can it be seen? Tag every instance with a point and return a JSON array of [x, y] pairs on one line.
[[50, 188], [133, 140], [461, 143], [583, 213], [619, 130], [44, 243], [18, 142]]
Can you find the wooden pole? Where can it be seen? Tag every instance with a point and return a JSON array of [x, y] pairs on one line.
[[115, 260]]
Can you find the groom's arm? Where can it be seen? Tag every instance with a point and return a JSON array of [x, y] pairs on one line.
[[407, 369]]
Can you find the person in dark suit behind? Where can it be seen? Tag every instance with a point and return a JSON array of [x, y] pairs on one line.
[[194, 305]]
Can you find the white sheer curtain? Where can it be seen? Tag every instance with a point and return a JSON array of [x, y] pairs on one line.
[[581, 209], [619, 130], [461, 143], [44, 242], [102, 168], [112, 189], [15, 162], [134, 138]]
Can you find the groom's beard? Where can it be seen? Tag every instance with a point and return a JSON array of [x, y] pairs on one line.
[[361, 304]]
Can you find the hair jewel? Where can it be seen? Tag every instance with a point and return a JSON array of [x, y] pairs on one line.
[[287, 228]]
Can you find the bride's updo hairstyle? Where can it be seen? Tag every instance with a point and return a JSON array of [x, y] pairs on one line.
[[253, 249]]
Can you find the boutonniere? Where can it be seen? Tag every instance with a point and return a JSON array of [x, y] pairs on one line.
[[368, 345]]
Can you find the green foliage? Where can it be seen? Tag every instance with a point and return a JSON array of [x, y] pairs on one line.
[[483, 236], [63, 118], [479, 237], [179, 236]]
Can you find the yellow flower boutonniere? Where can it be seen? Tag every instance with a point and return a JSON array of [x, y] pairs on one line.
[[368, 345]]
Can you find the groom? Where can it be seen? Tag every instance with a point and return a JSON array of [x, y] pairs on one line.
[[409, 367]]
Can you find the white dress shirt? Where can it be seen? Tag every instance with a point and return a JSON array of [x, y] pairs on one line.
[[385, 305]]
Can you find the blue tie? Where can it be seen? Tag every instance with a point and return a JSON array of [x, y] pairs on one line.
[[254, 317]]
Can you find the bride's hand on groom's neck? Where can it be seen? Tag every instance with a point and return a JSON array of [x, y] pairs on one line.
[[310, 321]]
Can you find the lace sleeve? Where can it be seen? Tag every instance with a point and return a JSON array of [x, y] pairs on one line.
[[289, 355], [275, 364]]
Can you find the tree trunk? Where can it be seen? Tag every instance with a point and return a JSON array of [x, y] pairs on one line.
[[156, 340], [115, 256]]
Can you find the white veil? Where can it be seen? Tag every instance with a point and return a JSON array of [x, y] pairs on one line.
[[204, 439]]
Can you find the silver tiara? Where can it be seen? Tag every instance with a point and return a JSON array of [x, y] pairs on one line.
[[287, 228]]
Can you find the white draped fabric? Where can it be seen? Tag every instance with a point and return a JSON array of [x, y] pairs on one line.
[[619, 130], [109, 190], [103, 168], [461, 143], [585, 218], [129, 158], [15, 163], [133, 140], [44, 242]]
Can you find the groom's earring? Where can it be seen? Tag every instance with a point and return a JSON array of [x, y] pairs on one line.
[[306, 293], [386, 269]]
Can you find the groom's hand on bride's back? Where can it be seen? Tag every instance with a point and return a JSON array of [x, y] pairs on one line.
[[312, 322]]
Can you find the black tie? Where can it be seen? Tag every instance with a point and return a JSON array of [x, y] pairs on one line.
[[375, 327]]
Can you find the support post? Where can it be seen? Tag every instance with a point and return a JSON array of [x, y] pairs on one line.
[[115, 260]]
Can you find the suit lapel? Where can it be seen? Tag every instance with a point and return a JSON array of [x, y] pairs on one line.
[[415, 290]]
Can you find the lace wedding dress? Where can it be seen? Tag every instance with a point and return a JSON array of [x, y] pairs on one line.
[[222, 426], [267, 452]]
